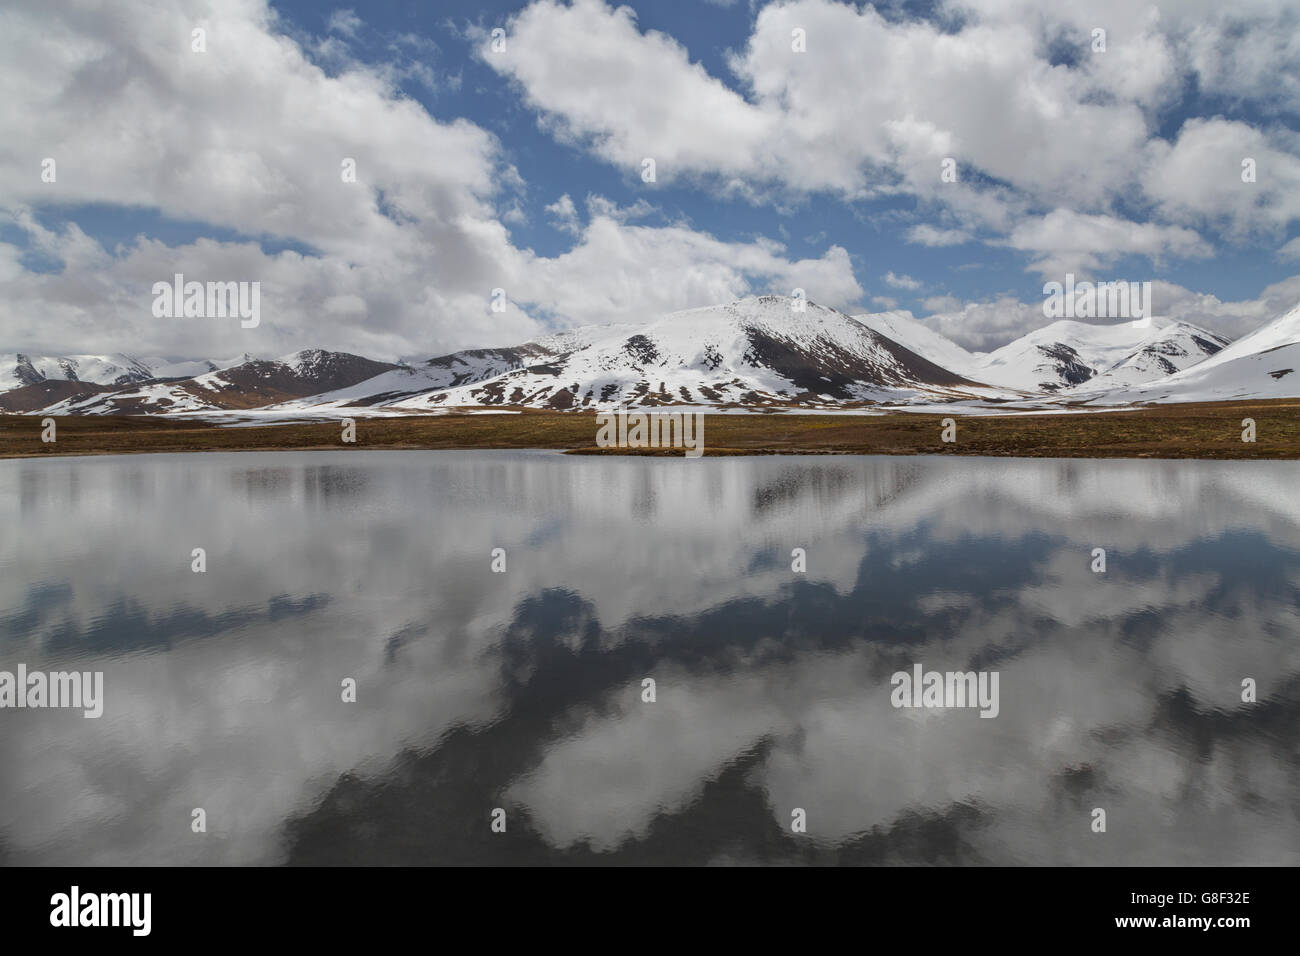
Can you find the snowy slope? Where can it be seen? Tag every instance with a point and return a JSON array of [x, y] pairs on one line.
[[756, 351], [1274, 373], [144, 399], [921, 339], [437, 374], [1284, 330], [1068, 354], [1168, 350], [1263, 364], [1058, 355]]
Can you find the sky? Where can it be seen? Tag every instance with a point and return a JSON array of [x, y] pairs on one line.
[[504, 146]]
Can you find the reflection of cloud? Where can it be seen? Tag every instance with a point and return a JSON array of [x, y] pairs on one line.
[[637, 760], [523, 689]]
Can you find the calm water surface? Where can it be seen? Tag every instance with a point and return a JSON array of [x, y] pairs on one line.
[[523, 690]]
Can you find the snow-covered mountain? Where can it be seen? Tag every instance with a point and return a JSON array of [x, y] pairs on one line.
[[63, 376], [757, 351], [253, 383], [1263, 364], [1071, 355], [20, 369], [1167, 350], [409, 381]]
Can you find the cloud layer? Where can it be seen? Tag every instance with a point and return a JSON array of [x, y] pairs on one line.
[[1061, 157]]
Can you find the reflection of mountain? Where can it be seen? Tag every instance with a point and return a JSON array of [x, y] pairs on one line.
[[522, 690]]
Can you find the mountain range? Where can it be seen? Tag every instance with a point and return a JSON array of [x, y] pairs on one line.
[[764, 352]]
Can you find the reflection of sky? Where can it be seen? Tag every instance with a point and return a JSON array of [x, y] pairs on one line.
[[522, 689]]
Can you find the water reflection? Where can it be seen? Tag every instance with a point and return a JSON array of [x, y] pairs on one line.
[[523, 690]]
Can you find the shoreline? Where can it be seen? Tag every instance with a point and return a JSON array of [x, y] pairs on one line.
[[1211, 431]]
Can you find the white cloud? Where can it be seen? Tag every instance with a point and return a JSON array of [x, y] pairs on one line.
[[941, 303], [1245, 51], [514, 214], [615, 272], [1066, 241], [922, 95], [600, 206], [565, 214], [927, 235], [1078, 138], [251, 136], [345, 22], [633, 272], [631, 95], [1199, 178], [901, 281]]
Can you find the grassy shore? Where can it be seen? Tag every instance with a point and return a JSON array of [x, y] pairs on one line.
[[1210, 430]]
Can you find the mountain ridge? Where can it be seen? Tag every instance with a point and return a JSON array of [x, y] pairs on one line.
[[759, 352]]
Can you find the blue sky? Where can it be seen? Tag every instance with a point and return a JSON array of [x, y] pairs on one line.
[[776, 167]]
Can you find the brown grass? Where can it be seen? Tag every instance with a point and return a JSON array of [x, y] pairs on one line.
[[1209, 430]]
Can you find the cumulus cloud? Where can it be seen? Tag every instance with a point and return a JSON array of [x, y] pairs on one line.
[[565, 214], [927, 235], [630, 95], [901, 281], [1065, 241], [630, 272], [1076, 136], [600, 206], [251, 137], [1227, 174], [924, 94], [345, 22], [941, 303]]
